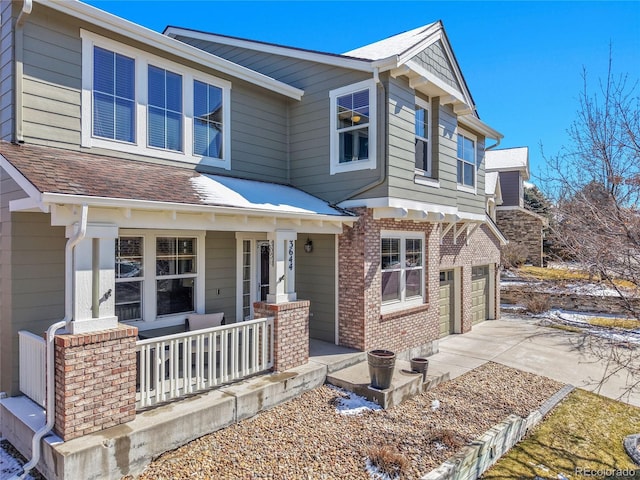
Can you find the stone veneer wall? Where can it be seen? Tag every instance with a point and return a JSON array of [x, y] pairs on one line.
[[361, 324], [291, 332], [523, 228], [95, 381]]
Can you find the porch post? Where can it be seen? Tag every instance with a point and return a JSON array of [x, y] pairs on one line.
[[282, 274], [290, 332], [93, 289]]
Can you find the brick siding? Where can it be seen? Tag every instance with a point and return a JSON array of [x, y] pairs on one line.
[[362, 325], [291, 332], [95, 381]]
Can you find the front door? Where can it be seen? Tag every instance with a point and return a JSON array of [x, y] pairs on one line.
[[263, 270]]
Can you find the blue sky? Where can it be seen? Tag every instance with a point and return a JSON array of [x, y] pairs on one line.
[[522, 60]]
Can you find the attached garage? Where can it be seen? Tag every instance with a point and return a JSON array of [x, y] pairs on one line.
[[447, 303], [479, 294]]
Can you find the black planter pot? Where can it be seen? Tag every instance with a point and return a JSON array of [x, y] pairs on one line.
[[381, 364], [420, 365]]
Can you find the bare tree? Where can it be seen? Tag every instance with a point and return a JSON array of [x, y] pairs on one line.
[[595, 184]]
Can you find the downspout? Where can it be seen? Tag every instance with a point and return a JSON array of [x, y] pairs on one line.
[[494, 145], [18, 50], [383, 167], [68, 312]]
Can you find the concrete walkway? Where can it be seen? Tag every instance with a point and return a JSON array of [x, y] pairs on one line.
[[520, 343]]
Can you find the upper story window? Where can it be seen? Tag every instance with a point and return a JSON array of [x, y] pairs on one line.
[[402, 262], [113, 96], [139, 103], [353, 130], [466, 160], [423, 137], [165, 109]]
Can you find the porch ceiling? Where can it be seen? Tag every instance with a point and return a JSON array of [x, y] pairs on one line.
[[55, 180]]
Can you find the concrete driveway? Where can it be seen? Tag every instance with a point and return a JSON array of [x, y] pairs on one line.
[[520, 343]]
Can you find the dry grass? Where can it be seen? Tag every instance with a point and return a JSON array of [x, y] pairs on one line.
[[558, 274], [585, 431], [388, 460], [619, 323]]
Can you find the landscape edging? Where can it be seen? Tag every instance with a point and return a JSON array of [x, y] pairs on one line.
[[473, 460]]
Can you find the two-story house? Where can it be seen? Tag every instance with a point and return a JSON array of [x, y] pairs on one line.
[[147, 178], [521, 226]]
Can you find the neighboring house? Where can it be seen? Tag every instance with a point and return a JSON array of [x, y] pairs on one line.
[[148, 177], [509, 169]]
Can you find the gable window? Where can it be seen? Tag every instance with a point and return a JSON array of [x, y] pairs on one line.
[[402, 263], [423, 137], [158, 275], [165, 109], [138, 103], [113, 95], [353, 127], [466, 154]]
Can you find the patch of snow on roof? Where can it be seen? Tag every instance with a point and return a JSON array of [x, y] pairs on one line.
[[508, 159], [252, 194], [394, 45]]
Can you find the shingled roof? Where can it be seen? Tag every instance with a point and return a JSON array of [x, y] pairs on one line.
[[57, 171]]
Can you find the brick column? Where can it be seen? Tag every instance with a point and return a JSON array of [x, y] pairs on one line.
[[291, 331], [95, 380]]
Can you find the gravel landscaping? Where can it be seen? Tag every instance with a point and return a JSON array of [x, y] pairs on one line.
[[307, 438]]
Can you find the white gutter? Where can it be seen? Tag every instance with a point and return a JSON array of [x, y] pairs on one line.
[[51, 331], [61, 198]]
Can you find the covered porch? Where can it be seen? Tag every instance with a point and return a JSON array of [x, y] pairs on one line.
[[172, 244]]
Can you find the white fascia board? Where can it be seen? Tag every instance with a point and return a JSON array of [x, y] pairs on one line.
[[495, 230], [440, 84], [61, 198], [398, 203], [34, 196], [434, 34], [153, 39], [479, 126], [318, 57]]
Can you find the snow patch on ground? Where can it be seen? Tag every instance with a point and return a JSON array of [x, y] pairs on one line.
[[9, 465], [351, 404], [376, 474], [581, 320]]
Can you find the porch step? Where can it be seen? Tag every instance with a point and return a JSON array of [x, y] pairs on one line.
[[404, 384], [334, 357]]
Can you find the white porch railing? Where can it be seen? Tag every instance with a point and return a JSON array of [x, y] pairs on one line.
[[173, 366], [33, 351]]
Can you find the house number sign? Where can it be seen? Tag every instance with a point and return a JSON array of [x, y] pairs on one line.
[[290, 254]]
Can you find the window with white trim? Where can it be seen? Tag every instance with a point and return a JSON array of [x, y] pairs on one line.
[[158, 275], [353, 129], [466, 153], [423, 137], [135, 102], [402, 263]]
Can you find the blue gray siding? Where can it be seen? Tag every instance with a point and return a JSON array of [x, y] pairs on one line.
[[434, 60], [6, 71], [52, 105]]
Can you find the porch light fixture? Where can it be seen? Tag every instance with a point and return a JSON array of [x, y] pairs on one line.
[[308, 247], [356, 118]]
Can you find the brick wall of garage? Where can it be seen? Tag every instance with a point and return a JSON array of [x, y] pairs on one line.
[[361, 323]]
